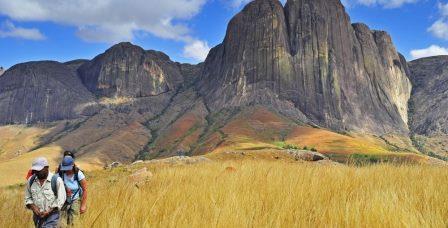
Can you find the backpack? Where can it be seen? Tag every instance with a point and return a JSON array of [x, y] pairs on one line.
[[54, 182]]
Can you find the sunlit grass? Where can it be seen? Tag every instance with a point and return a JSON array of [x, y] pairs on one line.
[[260, 194]]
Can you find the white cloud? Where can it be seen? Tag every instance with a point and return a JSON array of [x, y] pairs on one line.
[[111, 21], [440, 28], [197, 50], [384, 3], [443, 8], [433, 50], [8, 29], [240, 3]]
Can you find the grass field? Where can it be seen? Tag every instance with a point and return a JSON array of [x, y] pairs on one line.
[[18, 139], [259, 193]]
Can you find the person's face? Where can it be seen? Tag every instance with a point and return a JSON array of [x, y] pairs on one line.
[[43, 174], [69, 172]]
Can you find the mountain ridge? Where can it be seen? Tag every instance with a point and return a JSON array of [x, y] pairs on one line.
[[280, 72], [309, 75]]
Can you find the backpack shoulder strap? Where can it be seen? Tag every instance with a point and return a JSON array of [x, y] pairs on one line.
[[54, 183], [61, 175], [76, 171], [31, 181]]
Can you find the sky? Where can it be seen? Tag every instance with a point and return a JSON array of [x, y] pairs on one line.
[[64, 30]]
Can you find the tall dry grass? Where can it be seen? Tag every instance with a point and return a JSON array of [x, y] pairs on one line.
[[260, 194]]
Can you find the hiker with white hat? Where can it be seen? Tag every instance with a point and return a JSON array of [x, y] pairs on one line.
[[45, 194]]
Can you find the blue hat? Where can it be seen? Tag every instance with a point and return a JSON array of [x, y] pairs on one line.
[[67, 163]]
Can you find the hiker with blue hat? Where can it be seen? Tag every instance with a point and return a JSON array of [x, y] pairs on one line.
[[45, 194], [76, 187]]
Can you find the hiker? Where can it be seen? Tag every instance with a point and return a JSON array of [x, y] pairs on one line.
[[45, 194], [76, 187], [66, 153]]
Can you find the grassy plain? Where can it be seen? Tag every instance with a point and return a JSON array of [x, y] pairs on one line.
[[258, 193]]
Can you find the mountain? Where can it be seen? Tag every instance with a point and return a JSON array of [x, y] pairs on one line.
[[128, 70], [341, 76], [2, 70], [430, 92], [429, 104], [41, 92], [294, 76]]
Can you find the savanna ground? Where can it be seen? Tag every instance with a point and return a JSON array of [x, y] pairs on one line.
[[258, 193]]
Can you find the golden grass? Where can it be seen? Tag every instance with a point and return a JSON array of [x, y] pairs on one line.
[[330, 142], [13, 171], [259, 194], [116, 101], [18, 139]]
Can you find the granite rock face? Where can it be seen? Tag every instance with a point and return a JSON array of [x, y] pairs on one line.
[[41, 92], [75, 64], [341, 76], [429, 101], [126, 70]]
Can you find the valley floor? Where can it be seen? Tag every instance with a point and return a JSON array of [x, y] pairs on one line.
[[258, 193]]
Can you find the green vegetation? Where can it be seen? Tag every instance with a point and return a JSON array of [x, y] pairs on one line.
[[434, 155], [286, 146], [419, 142], [363, 159]]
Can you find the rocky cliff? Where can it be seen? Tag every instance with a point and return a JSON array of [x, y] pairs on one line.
[[126, 70], [342, 76], [294, 74], [429, 102], [41, 92]]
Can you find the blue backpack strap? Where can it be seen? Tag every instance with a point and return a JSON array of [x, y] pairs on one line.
[[77, 170], [31, 181], [54, 183]]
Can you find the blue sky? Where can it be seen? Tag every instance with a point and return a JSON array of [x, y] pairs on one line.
[[184, 29]]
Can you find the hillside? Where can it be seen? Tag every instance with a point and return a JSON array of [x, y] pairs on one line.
[[294, 76]]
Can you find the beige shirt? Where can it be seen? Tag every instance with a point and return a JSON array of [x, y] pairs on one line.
[[43, 196]]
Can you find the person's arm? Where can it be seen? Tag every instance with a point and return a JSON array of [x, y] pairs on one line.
[[34, 208], [84, 196], [61, 198], [59, 202]]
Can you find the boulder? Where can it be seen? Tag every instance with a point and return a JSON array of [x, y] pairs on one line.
[[180, 160], [113, 165], [137, 162], [305, 155], [141, 176]]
